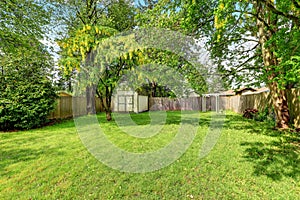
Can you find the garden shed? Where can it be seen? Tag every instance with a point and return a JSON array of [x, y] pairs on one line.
[[129, 101]]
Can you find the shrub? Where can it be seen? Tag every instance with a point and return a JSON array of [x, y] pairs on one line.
[[25, 102], [250, 113], [266, 115]]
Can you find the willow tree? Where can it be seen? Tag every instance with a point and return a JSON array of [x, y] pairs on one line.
[[94, 22]]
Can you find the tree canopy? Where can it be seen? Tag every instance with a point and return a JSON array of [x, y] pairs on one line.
[[251, 42], [96, 21], [26, 91]]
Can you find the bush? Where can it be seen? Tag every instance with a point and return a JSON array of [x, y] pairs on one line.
[[250, 113], [25, 103], [265, 115]]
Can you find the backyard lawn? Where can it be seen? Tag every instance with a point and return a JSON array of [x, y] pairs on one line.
[[249, 161]]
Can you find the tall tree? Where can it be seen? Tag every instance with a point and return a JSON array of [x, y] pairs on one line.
[[252, 42], [96, 22], [164, 14], [82, 35], [26, 92], [76, 49], [21, 23]]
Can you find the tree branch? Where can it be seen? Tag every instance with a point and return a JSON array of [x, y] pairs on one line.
[[79, 15], [249, 50], [259, 18], [241, 67], [272, 7], [246, 61], [296, 4]]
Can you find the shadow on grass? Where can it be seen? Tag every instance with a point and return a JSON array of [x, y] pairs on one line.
[[275, 159], [22, 147], [173, 117], [15, 155], [237, 122]]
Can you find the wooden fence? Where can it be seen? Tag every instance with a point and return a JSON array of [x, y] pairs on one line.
[[236, 103], [192, 103], [64, 107], [165, 103], [262, 100]]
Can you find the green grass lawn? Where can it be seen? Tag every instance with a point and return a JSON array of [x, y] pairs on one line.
[[250, 161]]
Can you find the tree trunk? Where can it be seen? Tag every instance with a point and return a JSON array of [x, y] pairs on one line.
[[108, 103], [90, 100], [280, 103], [279, 96], [108, 116], [153, 89]]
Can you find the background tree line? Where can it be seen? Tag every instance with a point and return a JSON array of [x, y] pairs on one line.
[[251, 43]]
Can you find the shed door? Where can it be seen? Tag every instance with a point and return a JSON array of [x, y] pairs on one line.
[[125, 103]]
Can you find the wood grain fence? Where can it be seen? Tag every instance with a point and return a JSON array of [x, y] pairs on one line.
[[236, 103], [67, 106], [262, 100], [165, 103]]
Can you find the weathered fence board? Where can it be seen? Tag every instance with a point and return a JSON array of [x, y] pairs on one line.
[[67, 106], [165, 103], [236, 103]]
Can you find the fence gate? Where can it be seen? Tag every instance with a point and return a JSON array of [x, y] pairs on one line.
[[125, 103]]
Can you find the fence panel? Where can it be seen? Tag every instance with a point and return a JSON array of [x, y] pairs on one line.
[[262, 100], [165, 103], [235, 103], [65, 106]]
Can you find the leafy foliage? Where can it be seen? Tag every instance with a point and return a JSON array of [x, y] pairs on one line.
[[266, 114], [164, 70], [81, 42], [20, 22], [26, 93], [251, 42], [95, 22]]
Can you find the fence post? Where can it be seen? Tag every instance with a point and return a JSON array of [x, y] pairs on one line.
[[204, 103]]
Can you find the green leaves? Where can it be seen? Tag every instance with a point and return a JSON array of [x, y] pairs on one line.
[[26, 96], [26, 92], [80, 43], [21, 22], [231, 28], [291, 76]]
